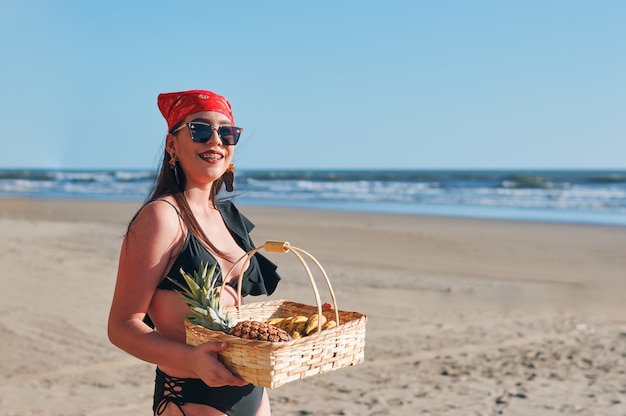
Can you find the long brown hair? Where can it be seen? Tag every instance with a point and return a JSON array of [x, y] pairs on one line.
[[168, 183]]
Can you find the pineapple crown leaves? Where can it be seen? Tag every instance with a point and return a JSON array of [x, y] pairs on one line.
[[203, 298]]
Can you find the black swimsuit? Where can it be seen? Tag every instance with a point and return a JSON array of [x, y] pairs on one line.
[[260, 278]]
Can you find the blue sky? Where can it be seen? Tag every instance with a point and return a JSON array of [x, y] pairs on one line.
[[325, 84]]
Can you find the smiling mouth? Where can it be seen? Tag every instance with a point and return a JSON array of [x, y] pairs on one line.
[[211, 156]]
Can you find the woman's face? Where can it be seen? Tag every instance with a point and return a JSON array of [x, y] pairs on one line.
[[202, 163]]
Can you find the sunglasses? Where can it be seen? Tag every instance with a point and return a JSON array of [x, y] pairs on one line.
[[202, 132]]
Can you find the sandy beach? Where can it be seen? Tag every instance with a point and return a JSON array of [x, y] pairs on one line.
[[465, 317]]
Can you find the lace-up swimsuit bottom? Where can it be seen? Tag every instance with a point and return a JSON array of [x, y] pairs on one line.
[[232, 400]]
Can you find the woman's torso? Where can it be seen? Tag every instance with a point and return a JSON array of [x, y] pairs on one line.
[[167, 308]]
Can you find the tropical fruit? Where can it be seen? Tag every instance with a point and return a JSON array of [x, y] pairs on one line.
[[203, 297], [301, 325], [202, 294], [259, 331], [313, 323]]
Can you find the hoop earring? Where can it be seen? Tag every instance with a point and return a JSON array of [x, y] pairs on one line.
[[229, 178], [174, 167]]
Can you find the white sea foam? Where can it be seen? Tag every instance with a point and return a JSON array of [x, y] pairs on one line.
[[521, 194]]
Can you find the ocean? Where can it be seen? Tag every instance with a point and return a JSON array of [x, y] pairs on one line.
[[592, 197]]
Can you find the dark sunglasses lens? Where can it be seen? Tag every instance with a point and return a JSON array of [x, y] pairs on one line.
[[200, 133], [229, 135]]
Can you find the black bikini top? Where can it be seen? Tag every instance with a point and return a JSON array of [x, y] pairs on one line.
[[260, 277]]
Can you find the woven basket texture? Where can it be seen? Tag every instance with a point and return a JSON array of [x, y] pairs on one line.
[[272, 364]]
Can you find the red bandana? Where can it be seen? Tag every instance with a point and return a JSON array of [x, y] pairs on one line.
[[175, 106]]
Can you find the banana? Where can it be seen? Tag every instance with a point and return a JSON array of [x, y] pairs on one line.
[[329, 324], [313, 323], [284, 324], [290, 326], [300, 318], [281, 323], [296, 323], [275, 321], [299, 327]]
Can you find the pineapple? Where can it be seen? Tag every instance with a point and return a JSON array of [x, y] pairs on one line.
[[203, 297], [261, 331]]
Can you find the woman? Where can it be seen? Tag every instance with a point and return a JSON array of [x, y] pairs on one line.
[[180, 225]]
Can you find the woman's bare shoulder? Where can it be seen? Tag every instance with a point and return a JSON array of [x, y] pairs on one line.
[[157, 217]]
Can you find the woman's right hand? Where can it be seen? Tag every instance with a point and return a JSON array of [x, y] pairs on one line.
[[209, 368]]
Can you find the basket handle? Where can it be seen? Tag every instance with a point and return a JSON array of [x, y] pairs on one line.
[[284, 247]]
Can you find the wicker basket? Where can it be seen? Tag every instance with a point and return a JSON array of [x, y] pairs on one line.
[[272, 364]]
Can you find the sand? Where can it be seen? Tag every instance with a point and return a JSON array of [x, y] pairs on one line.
[[465, 317]]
